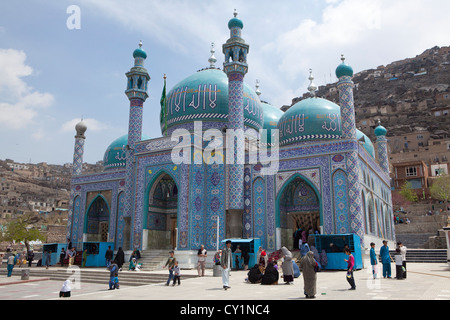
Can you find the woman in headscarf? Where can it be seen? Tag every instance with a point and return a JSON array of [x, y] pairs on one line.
[[120, 258], [287, 267], [271, 274], [307, 265], [65, 290], [255, 275]]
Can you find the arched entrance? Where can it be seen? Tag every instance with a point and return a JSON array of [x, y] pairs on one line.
[[161, 219], [97, 223], [298, 206]]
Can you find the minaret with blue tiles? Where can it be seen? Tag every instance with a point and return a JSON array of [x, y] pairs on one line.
[[137, 81], [344, 73], [78, 152], [383, 158], [235, 66]]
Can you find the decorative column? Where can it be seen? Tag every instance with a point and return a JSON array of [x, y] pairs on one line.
[[78, 152], [136, 92], [235, 66], [383, 159], [344, 73]]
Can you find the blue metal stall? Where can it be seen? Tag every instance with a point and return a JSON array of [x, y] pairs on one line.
[[96, 253], [251, 245], [334, 244], [55, 249]]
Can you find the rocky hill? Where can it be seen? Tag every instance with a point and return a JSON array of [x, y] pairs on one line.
[[407, 95]]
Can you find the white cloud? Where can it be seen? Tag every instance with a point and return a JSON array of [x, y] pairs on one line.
[[19, 103], [91, 124]]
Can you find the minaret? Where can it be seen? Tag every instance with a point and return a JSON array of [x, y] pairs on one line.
[[136, 92], [344, 73], [78, 152], [235, 66], [381, 142], [345, 85]]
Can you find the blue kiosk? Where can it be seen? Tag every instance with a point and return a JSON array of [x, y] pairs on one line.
[[96, 253], [55, 249], [334, 244], [250, 245]]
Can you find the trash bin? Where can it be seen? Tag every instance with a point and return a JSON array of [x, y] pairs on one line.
[[25, 274], [217, 270]]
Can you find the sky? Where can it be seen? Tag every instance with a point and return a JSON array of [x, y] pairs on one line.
[[61, 61]]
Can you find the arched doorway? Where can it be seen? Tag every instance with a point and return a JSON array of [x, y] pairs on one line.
[[298, 206], [97, 222], [161, 222]]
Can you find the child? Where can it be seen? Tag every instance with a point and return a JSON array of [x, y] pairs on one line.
[[398, 264], [373, 260], [65, 290], [350, 265], [176, 273], [114, 282], [170, 263]]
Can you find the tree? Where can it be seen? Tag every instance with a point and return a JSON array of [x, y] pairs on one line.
[[440, 189], [19, 230], [408, 192]]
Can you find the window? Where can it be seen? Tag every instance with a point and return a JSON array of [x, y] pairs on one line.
[[411, 171]]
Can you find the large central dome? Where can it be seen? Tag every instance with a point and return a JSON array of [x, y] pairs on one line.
[[204, 97]]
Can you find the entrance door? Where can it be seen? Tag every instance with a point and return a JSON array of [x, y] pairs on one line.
[[173, 232]]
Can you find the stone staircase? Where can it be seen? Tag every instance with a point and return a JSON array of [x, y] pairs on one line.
[[96, 275], [153, 259], [423, 255]]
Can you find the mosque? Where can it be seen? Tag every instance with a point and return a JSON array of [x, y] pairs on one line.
[[330, 176]]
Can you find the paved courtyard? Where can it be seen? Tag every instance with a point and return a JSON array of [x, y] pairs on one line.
[[425, 282]]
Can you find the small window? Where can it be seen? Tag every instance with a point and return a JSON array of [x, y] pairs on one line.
[[411, 171]]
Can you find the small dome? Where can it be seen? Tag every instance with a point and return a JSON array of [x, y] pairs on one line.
[[344, 69], [235, 23], [380, 131], [271, 117], [139, 52], [368, 145], [81, 128], [310, 119], [115, 154]]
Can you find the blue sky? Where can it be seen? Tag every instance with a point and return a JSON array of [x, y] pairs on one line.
[[51, 76]]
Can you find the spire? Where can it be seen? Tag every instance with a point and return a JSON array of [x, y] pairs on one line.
[[312, 87], [235, 13], [257, 88], [212, 60]]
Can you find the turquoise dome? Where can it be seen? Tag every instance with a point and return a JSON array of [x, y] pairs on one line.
[[380, 131], [310, 119], [139, 52], [368, 145], [203, 96], [115, 155], [235, 22], [271, 117], [344, 70]]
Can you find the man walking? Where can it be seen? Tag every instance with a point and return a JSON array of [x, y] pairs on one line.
[[201, 261], [403, 253], [109, 256], [373, 260], [11, 263], [225, 262], [385, 260], [350, 265]]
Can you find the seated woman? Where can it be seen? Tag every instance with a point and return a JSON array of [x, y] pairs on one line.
[[271, 274], [255, 275], [133, 264]]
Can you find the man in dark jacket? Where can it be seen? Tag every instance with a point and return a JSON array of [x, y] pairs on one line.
[[30, 258], [109, 256], [226, 262]]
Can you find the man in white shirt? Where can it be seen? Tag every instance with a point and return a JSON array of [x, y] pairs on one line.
[[226, 262]]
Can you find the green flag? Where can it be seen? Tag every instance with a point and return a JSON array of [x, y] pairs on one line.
[[163, 103]]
